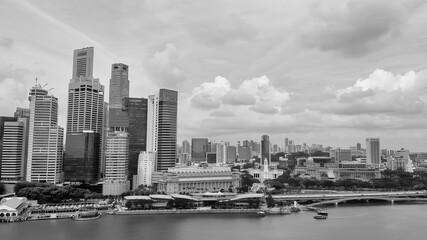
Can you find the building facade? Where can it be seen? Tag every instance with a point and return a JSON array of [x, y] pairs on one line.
[[265, 148], [119, 90], [146, 164], [45, 141], [199, 148], [373, 151]]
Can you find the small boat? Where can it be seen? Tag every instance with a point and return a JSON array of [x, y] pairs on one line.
[[320, 217], [322, 212], [261, 213], [86, 214]]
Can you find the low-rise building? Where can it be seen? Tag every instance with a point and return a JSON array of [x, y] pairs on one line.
[[11, 208], [197, 179]]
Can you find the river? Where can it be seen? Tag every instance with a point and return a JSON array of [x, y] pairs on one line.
[[362, 221]]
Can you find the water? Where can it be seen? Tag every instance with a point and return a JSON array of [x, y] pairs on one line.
[[344, 222]]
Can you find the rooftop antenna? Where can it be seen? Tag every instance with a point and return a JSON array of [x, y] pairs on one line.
[[36, 81]]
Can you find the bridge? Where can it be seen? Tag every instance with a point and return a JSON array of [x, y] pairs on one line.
[[336, 198]]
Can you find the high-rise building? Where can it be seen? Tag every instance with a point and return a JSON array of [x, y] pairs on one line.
[[373, 153], [146, 164], [199, 148], [152, 123], [358, 146], [186, 147], [286, 144], [245, 153], [85, 114], [14, 150], [81, 163], [231, 154], [167, 129], [221, 152], [265, 149], [119, 90], [136, 112], [3, 119], [117, 156], [45, 141], [83, 63], [85, 95]]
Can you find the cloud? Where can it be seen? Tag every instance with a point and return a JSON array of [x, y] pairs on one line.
[[6, 42], [163, 68], [257, 93], [222, 113], [354, 28]]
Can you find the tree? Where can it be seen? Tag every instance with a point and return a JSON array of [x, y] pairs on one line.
[[2, 188], [248, 165], [270, 201]]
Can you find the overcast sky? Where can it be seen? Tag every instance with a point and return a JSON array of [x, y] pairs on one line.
[[327, 72]]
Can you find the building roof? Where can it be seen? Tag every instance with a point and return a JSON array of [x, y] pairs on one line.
[[12, 203], [137, 198], [159, 196], [250, 195], [184, 197]]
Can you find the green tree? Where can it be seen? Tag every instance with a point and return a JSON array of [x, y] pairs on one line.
[[270, 201], [2, 188]]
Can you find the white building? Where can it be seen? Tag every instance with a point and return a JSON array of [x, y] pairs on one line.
[[265, 173], [117, 156], [45, 142], [373, 151], [221, 153], [146, 167]]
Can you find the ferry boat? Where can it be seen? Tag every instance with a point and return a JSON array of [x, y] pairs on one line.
[[86, 215], [320, 217], [261, 213], [322, 212]]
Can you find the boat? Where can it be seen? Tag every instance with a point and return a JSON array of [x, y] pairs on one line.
[[261, 213], [322, 212], [320, 217], [85, 214]]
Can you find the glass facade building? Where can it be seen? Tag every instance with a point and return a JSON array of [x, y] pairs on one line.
[[167, 129], [199, 148], [82, 157]]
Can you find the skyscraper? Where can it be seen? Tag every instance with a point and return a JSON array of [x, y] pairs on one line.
[[45, 144], [85, 114], [167, 126], [231, 154], [117, 158], [14, 149], [85, 95], [199, 148], [186, 147], [119, 90], [265, 149], [136, 113], [152, 123], [373, 151], [221, 152], [286, 145]]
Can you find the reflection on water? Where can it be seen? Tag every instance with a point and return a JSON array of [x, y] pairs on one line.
[[344, 222]]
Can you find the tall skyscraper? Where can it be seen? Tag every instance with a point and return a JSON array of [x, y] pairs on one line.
[[3, 119], [286, 144], [136, 112], [221, 152], [231, 154], [85, 114], [117, 158], [45, 144], [152, 123], [167, 129], [199, 148], [85, 95], [265, 149], [373, 151], [119, 90], [14, 149]]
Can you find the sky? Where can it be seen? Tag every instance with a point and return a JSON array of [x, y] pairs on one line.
[[331, 72]]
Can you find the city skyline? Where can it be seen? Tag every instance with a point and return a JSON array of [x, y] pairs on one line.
[[311, 72]]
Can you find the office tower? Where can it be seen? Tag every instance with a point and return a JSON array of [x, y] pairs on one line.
[[152, 123], [136, 113], [358, 146], [81, 163], [85, 95], [186, 146], [231, 154], [146, 164], [246, 143], [341, 155], [13, 149], [373, 154], [286, 144], [3, 119], [275, 148], [105, 130], [221, 152], [119, 90], [45, 141], [199, 148], [245, 153], [117, 156], [85, 114], [167, 126], [265, 149], [83, 63]]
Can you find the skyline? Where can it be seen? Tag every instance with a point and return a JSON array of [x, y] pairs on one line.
[[330, 72]]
